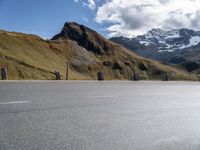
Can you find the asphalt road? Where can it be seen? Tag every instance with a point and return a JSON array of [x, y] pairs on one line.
[[99, 116]]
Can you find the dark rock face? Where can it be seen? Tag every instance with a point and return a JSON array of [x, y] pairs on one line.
[[133, 45], [177, 60], [143, 67], [117, 66], [191, 66], [85, 37]]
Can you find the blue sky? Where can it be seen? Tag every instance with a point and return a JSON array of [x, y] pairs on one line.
[[109, 17], [44, 17]]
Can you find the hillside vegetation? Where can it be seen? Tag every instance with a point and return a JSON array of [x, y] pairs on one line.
[[86, 52]]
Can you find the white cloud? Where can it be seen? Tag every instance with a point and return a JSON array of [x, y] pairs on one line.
[[133, 17], [91, 4], [88, 3]]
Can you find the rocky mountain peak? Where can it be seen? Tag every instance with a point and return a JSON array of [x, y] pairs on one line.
[[177, 46], [85, 37], [155, 32]]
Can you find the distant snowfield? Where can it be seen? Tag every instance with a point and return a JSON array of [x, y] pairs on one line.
[[169, 41], [194, 40]]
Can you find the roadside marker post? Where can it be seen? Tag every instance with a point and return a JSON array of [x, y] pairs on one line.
[[57, 75], [67, 72], [4, 73], [135, 77], [100, 76]]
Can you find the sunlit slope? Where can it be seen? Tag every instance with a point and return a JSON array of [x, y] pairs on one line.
[[31, 57]]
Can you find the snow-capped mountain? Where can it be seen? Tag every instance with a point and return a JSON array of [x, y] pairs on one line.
[[170, 41], [177, 46]]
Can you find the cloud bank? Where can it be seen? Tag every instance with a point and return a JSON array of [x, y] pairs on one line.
[[88, 3], [134, 17]]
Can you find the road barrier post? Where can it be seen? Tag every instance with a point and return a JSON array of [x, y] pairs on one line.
[[67, 72], [57, 75], [165, 77], [4, 73], [135, 77], [100, 76]]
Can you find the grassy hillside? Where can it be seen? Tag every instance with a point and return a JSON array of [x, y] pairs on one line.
[[30, 57]]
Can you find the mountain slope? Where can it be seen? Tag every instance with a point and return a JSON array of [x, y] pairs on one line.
[[178, 46], [86, 52], [170, 41]]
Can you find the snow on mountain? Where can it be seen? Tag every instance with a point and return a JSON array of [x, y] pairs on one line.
[[194, 40], [177, 46], [176, 39]]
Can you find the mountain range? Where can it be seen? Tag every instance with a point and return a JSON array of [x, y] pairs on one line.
[[84, 50], [178, 46]]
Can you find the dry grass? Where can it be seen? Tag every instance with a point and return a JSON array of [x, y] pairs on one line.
[[30, 57]]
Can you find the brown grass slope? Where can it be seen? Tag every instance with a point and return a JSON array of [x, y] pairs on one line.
[[87, 52]]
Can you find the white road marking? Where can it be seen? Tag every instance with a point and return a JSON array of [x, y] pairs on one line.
[[16, 102], [106, 96]]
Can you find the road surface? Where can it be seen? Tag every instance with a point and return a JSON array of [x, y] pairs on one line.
[[143, 115]]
